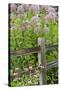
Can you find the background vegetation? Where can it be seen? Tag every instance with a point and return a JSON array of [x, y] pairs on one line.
[[27, 23]]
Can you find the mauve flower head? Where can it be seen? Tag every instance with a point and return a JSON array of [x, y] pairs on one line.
[[13, 7], [51, 9], [35, 20], [51, 16], [35, 8], [21, 15], [26, 7], [20, 9], [56, 8], [25, 25]]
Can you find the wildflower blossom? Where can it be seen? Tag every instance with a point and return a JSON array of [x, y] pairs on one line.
[[51, 9], [26, 7], [51, 16], [20, 9], [35, 20], [25, 25], [13, 8], [35, 8]]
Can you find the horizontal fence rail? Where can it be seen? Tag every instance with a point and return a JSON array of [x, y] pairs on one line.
[[25, 51], [30, 50], [52, 64], [50, 47]]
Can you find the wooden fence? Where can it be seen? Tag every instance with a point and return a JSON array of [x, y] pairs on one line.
[[41, 49]]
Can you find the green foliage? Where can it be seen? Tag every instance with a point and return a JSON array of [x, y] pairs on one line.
[[26, 80]]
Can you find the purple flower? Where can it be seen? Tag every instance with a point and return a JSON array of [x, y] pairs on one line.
[[13, 7], [25, 25], [35, 20], [51, 16], [20, 9], [51, 9], [35, 8], [26, 7], [20, 15]]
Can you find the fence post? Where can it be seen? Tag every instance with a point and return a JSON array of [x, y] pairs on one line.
[[41, 61]]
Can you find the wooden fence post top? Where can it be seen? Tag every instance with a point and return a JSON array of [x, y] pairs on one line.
[[41, 41]]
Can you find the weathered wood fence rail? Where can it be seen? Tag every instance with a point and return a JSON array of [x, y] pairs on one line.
[[41, 49], [26, 51], [52, 64]]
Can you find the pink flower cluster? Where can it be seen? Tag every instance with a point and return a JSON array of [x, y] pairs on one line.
[[51, 14], [20, 11]]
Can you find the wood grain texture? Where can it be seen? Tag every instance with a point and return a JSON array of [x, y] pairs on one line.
[[42, 61], [25, 51]]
